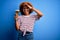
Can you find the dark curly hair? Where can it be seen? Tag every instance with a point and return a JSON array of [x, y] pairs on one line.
[[22, 5]]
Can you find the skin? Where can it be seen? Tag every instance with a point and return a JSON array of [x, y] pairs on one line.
[[39, 14], [26, 12]]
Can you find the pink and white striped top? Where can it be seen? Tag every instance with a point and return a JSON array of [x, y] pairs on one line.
[[26, 23]]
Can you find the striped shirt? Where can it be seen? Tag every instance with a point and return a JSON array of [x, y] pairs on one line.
[[26, 23]]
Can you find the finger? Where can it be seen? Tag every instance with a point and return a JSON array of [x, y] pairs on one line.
[[28, 6]]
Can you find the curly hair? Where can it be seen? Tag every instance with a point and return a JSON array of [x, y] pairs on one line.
[[22, 5]]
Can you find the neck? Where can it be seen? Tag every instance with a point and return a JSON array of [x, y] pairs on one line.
[[27, 14]]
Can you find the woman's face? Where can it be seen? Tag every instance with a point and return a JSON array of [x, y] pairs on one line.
[[26, 10]]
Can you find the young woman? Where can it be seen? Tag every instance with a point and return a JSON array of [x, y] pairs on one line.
[[25, 22]]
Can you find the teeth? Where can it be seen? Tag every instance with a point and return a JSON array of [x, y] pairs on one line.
[[17, 10]]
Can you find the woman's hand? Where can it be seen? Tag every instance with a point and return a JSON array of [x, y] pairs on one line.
[[17, 11], [39, 13], [16, 15], [29, 6]]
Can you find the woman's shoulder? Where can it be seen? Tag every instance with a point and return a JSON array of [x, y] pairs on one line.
[[34, 15], [19, 16]]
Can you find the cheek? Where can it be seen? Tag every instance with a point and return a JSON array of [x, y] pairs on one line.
[[24, 10], [27, 10]]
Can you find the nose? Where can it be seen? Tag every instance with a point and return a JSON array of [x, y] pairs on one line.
[[25, 9]]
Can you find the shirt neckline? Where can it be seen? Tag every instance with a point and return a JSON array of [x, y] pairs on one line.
[[26, 16]]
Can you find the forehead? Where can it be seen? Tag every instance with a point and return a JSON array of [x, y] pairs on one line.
[[25, 7]]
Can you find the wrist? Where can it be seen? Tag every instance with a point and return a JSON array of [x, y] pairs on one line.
[[33, 9]]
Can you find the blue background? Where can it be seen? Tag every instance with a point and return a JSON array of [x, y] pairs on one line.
[[47, 28]]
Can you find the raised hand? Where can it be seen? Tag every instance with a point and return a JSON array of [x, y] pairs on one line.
[[39, 14], [16, 15], [29, 6], [17, 11]]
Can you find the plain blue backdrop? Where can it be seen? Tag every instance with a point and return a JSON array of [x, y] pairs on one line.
[[46, 28]]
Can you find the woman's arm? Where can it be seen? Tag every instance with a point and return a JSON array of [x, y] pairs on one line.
[[39, 13], [16, 18], [17, 25]]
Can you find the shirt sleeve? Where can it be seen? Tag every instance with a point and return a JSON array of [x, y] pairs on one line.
[[36, 17]]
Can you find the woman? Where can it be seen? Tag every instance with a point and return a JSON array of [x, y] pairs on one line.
[[25, 22]]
